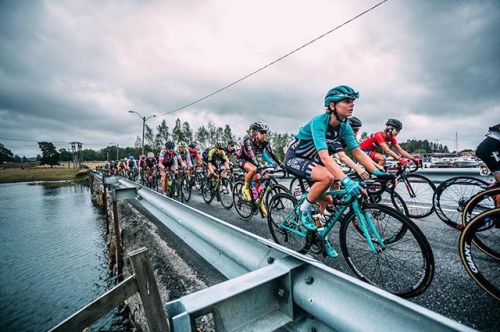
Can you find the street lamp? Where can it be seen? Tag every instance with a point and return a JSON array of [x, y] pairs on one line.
[[144, 119]]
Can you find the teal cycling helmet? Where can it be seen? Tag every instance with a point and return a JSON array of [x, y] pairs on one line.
[[340, 93]]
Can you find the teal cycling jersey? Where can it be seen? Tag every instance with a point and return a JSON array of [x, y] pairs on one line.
[[318, 135]]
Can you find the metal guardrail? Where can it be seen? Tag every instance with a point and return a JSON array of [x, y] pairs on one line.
[[142, 282], [271, 286]]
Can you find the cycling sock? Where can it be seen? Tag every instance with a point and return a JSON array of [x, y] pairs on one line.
[[306, 205]]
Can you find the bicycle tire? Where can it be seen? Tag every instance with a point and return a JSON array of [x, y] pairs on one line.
[[479, 266], [421, 205], [226, 194], [282, 210], [186, 185], [275, 189], [451, 196], [415, 269], [244, 208], [482, 242], [206, 191]]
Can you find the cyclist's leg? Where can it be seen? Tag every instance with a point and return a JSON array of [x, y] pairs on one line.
[[164, 175], [380, 159], [251, 171]]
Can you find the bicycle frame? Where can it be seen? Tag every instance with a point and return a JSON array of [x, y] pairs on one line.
[[364, 221]]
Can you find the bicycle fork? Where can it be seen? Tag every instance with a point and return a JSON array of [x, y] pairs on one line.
[[363, 221]]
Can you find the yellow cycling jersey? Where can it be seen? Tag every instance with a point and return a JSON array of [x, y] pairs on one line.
[[213, 155]]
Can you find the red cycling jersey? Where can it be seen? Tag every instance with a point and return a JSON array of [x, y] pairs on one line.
[[373, 142], [195, 155]]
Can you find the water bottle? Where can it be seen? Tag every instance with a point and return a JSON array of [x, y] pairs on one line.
[[254, 190]]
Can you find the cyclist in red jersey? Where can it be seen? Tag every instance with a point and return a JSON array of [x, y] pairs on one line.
[[382, 139]]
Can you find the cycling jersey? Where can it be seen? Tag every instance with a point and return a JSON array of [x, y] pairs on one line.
[[195, 155], [489, 149], [168, 158], [318, 135], [213, 156], [250, 148], [186, 156], [150, 162], [142, 162], [373, 142], [131, 164]]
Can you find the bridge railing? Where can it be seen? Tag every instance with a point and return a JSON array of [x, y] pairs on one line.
[[271, 286]]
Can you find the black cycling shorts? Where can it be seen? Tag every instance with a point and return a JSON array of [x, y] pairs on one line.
[[298, 165], [489, 152]]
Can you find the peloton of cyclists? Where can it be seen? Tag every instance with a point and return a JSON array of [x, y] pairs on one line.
[[382, 139], [308, 156]]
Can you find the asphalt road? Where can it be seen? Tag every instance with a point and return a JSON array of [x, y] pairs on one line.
[[452, 292]]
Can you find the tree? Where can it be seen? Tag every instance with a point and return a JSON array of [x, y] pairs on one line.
[[138, 142], [148, 136], [50, 156], [177, 134], [5, 154], [65, 155], [201, 136], [162, 136], [187, 132], [228, 135]]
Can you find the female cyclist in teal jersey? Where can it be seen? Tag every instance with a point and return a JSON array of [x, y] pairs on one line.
[[307, 156]]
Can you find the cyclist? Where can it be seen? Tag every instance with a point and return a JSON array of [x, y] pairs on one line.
[[121, 166], [195, 154], [168, 161], [489, 152], [307, 156], [254, 144], [131, 167], [382, 139], [184, 154], [216, 156], [141, 164]]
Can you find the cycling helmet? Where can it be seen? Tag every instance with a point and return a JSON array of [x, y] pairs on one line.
[[151, 154], [181, 145], [339, 93], [142, 156], [131, 157], [354, 122], [259, 125], [394, 123], [233, 143], [192, 145], [169, 145], [219, 145]]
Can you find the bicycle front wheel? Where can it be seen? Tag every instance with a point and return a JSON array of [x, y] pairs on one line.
[[226, 194], [417, 191], [284, 224], [244, 208], [402, 265], [484, 269]]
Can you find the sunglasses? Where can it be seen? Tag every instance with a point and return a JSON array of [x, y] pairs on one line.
[[263, 132]]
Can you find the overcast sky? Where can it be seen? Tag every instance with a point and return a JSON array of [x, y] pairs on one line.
[[71, 70]]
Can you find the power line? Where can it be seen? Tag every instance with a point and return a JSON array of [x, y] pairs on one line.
[[275, 61]]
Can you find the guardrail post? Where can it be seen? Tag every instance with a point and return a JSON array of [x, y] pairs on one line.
[[148, 290], [104, 197]]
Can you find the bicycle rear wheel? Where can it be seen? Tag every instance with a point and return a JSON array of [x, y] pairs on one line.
[[283, 222], [451, 197], [186, 185], [484, 269], [404, 265], [481, 202], [417, 191], [244, 208]]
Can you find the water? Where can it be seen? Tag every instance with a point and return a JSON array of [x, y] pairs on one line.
[[53, 258]]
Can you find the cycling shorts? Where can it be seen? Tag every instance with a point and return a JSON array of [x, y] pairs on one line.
[[298, 165], [370, 153], [489, 152]]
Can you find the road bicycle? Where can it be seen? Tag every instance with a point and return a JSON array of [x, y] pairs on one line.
[[452, 195], [269, 187], [483, 232], [381, 246], [218, 187]]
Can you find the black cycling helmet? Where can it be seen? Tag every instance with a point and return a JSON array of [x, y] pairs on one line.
[[259, 125], [355, 122], [233, 143], [394, 123], [169, 145], [219, 145], [192, 145]]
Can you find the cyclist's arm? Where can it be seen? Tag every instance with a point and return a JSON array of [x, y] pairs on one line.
[[271, 154], [402, 152], [350, 163], [387, 150], [267, 158]]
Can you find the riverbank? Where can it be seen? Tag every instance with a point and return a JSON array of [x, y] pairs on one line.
[[29, 174]]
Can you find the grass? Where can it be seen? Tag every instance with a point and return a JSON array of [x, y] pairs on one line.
[[36, 174]]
